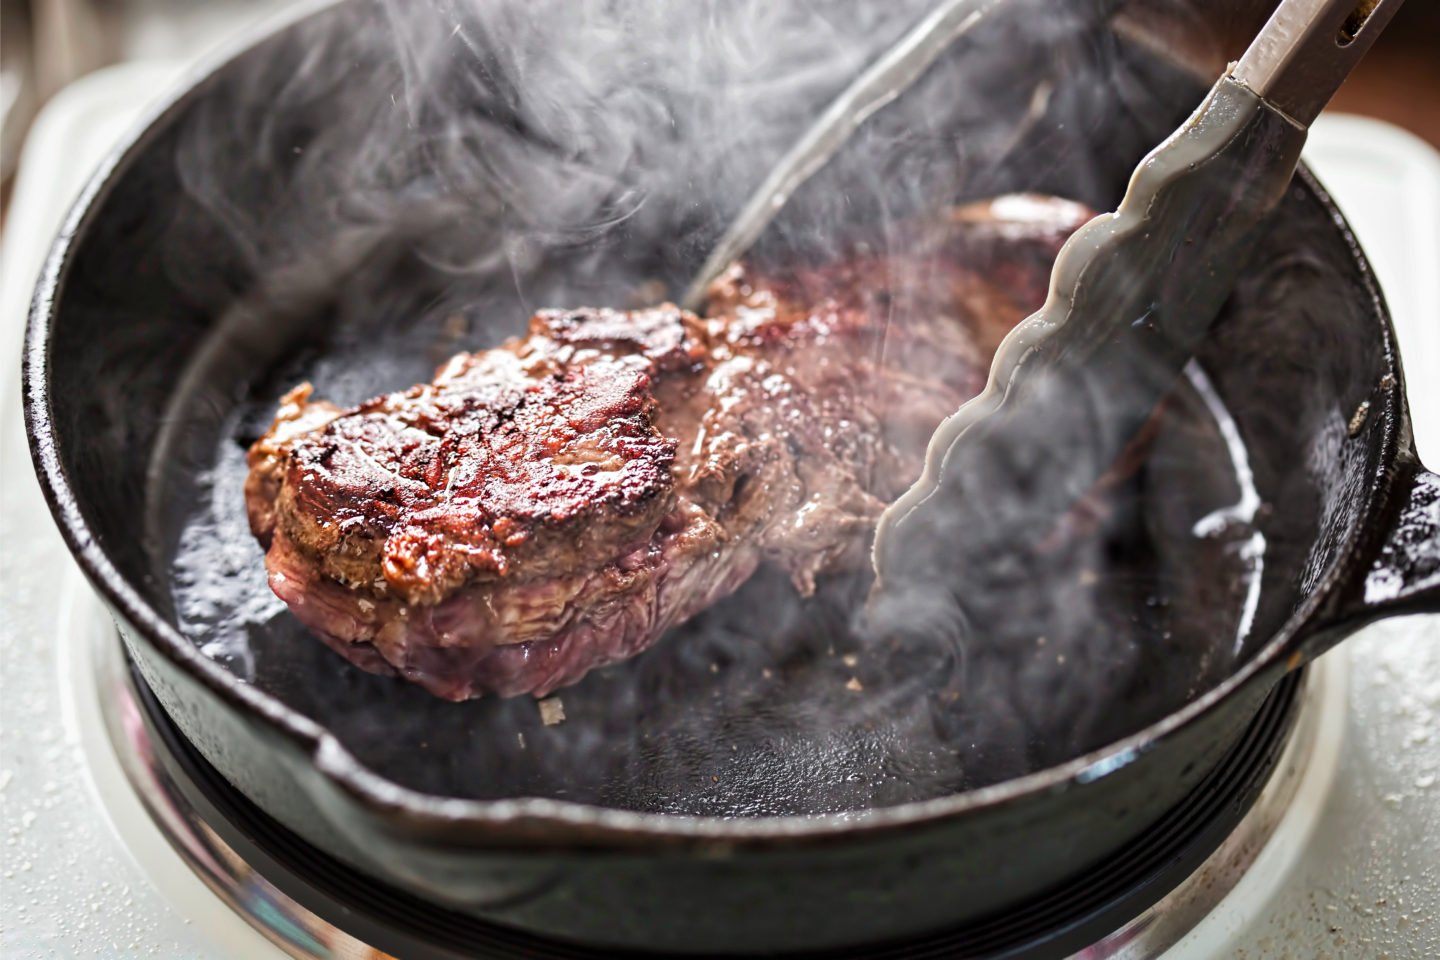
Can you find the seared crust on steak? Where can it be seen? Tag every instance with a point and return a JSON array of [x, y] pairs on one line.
[[510, 456], [554, 504]]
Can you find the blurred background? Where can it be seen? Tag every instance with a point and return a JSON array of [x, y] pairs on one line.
[[44, 44]]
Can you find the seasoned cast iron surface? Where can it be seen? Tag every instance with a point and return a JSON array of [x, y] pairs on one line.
[[770, 703]]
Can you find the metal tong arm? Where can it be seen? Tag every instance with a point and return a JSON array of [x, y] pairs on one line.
[[1133, 294], [1306, 50], [881, 83]]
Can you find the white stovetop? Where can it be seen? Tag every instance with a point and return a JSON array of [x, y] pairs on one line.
[[1365, 883]]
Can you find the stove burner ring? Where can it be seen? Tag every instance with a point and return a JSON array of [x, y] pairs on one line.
[[1134, 906]]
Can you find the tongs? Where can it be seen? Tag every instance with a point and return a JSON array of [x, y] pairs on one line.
[[1132, 295]]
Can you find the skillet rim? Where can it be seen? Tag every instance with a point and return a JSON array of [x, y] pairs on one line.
[[577, 824]]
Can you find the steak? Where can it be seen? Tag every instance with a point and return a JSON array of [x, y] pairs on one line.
[[554, 504]]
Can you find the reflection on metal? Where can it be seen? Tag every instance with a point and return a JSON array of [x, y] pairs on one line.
[[1309, 758], [285, 923]]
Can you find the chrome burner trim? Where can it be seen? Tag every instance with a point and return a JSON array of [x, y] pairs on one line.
[[1309, 759], [289, 926]]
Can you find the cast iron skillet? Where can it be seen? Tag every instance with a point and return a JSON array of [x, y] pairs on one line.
[[436, 800]]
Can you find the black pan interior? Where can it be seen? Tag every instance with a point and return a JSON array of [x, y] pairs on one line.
[[199, 296]]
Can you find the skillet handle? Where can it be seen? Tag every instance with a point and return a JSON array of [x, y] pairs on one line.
[[1403, 577]]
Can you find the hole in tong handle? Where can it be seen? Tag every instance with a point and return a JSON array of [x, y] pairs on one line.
[[1355, 22]]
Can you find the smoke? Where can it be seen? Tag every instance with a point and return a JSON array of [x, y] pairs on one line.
[[574, 151], [490, 136], [393, 181]]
